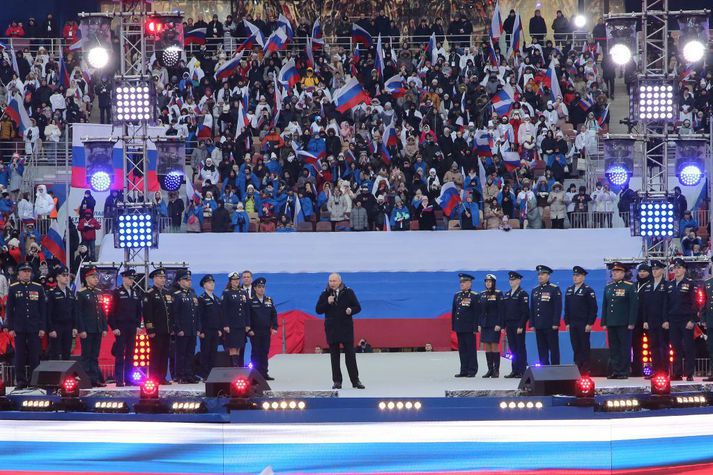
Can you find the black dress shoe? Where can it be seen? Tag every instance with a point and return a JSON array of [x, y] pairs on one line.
[[611, 376], [460, 375], [358, 385], [337, 386], [164, 382], [621, 376], [119, 384], [269, 378], [689, 378], [511, 375], [470, 375], [21, 386]]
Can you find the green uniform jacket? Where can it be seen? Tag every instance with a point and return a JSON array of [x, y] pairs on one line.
[[620, 304]]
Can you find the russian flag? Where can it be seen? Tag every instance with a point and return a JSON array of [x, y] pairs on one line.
[[191, 192], [276, 42], [206, 128], [360, 35], [63, 72], [686, 73], [602, 119], [195, 37], [17, 113], [349, 96], [288, 75], [492, 57], [511, 160], [449, 198], [254, 30], [555, 89], [242, 122], [285, 23], [317, 36], [502, 102], [53, 243], [496, 24], [249, 43], [229, 68], [299, 216], [310, 53], [309, 159], [390, 138], [585, 104], [484, 144], [431, 48], [395, 86], [516, 37], [355, 60], [379, 62]]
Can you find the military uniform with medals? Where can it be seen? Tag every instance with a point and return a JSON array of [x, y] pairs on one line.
[[545, 316], [263, 319], [157, 320], [619, 314], [464, 322]]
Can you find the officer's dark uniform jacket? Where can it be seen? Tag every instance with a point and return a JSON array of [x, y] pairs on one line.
[[210, 313], [125, 308], [682, 306], [26, 310], [465, 317], [491, 309], [545, 306], [184, 312], [263, 315], [156, 310], [516, 307], [653, 302], [235, 309], [90, 313], [60, 308], [580, 306]]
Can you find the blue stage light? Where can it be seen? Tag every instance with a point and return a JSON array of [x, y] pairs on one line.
[[172, 181], [617, 175], [656, 219], [690, 175], [100, 181]]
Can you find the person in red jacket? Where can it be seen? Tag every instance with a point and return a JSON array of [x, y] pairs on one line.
[[69, 33], [15, 30], [87, 227]]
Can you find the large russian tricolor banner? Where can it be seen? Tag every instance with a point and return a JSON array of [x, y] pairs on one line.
[[99, 131]]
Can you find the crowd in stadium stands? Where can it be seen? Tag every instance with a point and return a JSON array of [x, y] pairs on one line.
[[461, 129]]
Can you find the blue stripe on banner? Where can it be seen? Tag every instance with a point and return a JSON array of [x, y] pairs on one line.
[[353, 458]]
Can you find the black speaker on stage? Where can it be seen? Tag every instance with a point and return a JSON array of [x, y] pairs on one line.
[[219, 379], [550, 380], [49, 374], [599, 362]]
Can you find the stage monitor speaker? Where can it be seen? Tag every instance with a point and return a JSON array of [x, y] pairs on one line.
[[50, 374], [599, 362], [550, 380], [219, 379]]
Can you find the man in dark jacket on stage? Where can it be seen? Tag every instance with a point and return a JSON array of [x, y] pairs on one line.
[[339, 304]]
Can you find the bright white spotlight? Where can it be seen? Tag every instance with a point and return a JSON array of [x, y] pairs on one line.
[[98, 57], [620, 54], [580, 21], [693, 51]]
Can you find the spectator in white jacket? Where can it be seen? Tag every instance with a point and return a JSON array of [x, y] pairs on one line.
[[25, 210], [52, 136], [209, 172], [604, 203], [44, 204]]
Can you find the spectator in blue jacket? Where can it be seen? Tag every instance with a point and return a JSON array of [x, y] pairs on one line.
[[686, 223], [400, 217], [240, 219]]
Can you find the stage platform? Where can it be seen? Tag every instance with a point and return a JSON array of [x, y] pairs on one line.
[[395, 375]]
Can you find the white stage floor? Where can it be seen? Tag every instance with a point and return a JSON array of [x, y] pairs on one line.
[[394, 375]]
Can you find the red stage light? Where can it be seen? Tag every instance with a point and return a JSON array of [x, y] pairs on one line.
[[149, 390], [661, 385], [700, 297], [240, 387], [70, 387], [105, 302], [584, 387]]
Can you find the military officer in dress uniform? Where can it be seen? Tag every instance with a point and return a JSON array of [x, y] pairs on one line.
[[124, 321], [682, 317], [516, 304], [263, 324], [580, 313], [157, 321], [465, 322], [545, 315], [653, 302], [619, 313], [91, 324], [210, 323], [184, 314], [26, 322], [707, 317], [60, 316], [235, 319], [637, 335]]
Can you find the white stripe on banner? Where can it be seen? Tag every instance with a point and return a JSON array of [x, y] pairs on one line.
[[628, 428], [415, 251]]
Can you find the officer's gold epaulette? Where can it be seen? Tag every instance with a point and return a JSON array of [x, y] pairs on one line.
[[473, 292], [14, 283], [627, 282], [177, 292]]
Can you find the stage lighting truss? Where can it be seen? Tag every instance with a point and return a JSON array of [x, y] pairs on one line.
[[653, 219], [111, 406], [621, 36], [188, 407], [166, 31], [508, 405], [97, 42], [619, 405], [284, 405], [656, 101], [171, 162], [136, 228], [134, 102]]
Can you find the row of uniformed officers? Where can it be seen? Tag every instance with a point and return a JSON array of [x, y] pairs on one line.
[[243, 311], [666, 310]]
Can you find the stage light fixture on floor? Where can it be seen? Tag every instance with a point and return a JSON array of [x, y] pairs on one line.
[[41, 405], [619, 405], [240, 387], [521, 405], [111, 406], [69, 392], [149, 401], [69, 387], [690, 400], [661, 384], [188, 407], [284, 405], [585, 387]]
